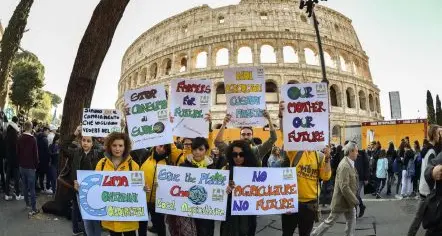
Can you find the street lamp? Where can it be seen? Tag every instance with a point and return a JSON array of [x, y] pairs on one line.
[[310, 5]]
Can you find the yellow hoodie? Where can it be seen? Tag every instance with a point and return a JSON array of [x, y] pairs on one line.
[[106, 164], [149, 168], [307, 173]]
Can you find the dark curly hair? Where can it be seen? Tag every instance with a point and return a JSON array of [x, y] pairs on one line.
[[118, 136], [249, 158], [198, 142]]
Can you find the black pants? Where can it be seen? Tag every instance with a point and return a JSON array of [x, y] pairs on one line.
[[304, 219], [157, 222], [399, 182], [42, 172], [12, 173], [416, 183], [2, 174], [129, 233], [204, 227], [381, 184], [252, 221], [390, 182]]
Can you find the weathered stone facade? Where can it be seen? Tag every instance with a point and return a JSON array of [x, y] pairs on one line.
[[275, 30]]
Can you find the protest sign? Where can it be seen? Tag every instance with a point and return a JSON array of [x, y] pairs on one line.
[[100, 122], [190, 102], [112, 195], [245, 96], [192, 192], [148, 118], [264, 191], [305, 121]]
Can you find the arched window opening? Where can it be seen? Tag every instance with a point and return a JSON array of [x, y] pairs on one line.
[[350, 95], [336, 131], [329, 62], [222, 57], [183, 64], [153, 71], [143, 75], [267, 54], [264, 16], [362, 101], [334, 99], [290, 55], [245, 55], [371, 102], [221, 19], [201, 60], [271, 92], [167, 66], [343, 64], [220, 94], [310, 57]]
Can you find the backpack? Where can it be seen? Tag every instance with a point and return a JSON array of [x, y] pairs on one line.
[[396, 166], [411, 168]]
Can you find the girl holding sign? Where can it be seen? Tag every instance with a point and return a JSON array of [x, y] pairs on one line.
[[238, 154], [117, 158]]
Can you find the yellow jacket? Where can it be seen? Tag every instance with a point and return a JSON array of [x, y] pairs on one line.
[[307, 173], [149, 168], [178, 156], [105, 164]]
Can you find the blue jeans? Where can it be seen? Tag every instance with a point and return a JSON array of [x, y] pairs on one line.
[[28, 178], [92, 227]]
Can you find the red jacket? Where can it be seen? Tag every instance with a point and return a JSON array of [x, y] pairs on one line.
[[27, 151]]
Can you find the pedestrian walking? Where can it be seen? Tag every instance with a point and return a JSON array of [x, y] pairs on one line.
[[391, 157], [408, 171], [381, 172], [362, 166], [45, 156]]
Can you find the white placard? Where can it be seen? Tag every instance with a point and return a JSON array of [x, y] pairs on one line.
[[190, 102], [112, 195], [192, 192], [264, 191], [245, 96], [306, 116], [148, 118], [100, 122]]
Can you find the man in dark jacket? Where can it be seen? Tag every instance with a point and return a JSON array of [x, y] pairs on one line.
[[12, 170], [44, 155], [362, 166], [27, 154], [433, 176]]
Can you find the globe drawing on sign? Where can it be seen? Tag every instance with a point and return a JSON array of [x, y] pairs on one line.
[[158, 127], [197, 195], [294, 93]]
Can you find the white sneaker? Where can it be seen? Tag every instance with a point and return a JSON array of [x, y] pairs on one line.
[[19, 197], [49, 191], [8, 198]]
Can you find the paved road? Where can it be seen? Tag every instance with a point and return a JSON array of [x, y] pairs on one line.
[[387, 216]]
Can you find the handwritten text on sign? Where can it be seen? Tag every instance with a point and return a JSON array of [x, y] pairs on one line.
[[190, 101], [100, 122], [264, 191], [306, 118], [245, 96], [148, 118], [112, 195], [192, 192]]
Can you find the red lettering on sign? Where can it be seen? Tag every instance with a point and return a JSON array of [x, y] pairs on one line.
[[115, 181]]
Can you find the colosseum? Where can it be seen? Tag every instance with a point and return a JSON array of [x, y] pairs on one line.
[[275, 34]]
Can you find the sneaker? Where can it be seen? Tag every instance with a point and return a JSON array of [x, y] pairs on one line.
[[378, 196], [78, 233], [8, 198], [33, 213], [152, 229], [19, 197], [361, 211], [49, 191]]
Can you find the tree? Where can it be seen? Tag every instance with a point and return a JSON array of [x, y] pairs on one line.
[[10, 43], [42, 110], [27, 78], [91, 53], [431, 116], [56, 100], [438, 111]]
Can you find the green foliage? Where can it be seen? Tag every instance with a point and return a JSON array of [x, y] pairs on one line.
[[56, 100], [431, 115], [42, 109], [438, 111]]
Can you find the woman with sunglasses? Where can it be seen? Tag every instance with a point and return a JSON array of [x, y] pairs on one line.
[[239, 154]]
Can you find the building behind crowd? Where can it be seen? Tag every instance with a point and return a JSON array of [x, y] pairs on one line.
[[275, 34]]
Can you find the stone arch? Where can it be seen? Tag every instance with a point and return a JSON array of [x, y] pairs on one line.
[[336, 131], [290, 55], [378, 105], [245, 55], [335, 96], [344, 63], [271, 91], [222, 57], [221, 19], [167, 66], [329, 61], [201, 60], [183, 63], [153, 71], [362, 100], [371, 102], [220, 93], [311, 57], [267, 54], [135, 80], [143, 75], [350, 97]]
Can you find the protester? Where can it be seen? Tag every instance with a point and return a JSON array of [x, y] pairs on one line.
[[275, 159], [362, 166], [81, 157], [417, 166], [428, 154], [381, 172], [117, 158], [432, 211], [239, 154], [310, 167], [218, 158], [158, 156], [43, 166], [12, 168], [54, 152], [27, 154], [391, 157], [344, 196], [408, 171]]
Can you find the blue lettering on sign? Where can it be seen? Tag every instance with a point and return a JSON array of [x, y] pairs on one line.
[[241, 206], [189, 101], [168, 176], [259, 176], [298, 122], [88, 183], [295, 93], [245, 100], [249, 113]]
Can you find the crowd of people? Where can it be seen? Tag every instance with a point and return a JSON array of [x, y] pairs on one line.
[[32, 154]]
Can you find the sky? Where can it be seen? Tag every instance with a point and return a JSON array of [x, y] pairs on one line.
[[403, 40]]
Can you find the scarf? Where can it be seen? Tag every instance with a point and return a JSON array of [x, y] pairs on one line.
[[199, 164]]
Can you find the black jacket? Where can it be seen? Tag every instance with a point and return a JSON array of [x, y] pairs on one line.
[[43, 149], [11, 144], [362, 165]]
